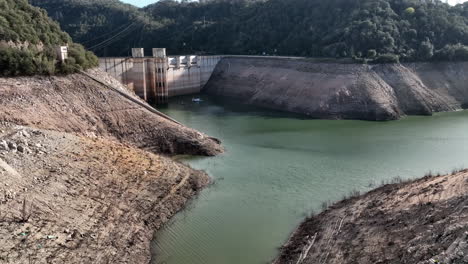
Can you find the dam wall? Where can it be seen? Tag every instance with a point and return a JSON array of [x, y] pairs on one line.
[[189, 74], [336, 90], [155, 79]]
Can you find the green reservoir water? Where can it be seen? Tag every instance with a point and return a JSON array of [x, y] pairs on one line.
[[278, 168]]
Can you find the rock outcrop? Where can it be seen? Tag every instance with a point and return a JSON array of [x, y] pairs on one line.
[[343, 91]]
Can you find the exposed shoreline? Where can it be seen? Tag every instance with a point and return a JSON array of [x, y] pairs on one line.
[[84, 172], [420, 221], [328, 90]]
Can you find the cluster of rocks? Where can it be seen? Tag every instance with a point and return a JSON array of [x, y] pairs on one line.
[[7, 195], [20, 142], [457, 252]]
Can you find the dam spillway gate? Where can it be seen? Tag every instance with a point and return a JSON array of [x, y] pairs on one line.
[[157, 78]]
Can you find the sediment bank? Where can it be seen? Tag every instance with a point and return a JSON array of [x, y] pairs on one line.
[[343, 91], [84, 176], [422, 221], [80, 105]]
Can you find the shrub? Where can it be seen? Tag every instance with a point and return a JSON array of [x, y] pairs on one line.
[[35, 37], [387, 58], [456, 52], [371, 53], [426, 50], [410, 10], [359, 60], [15, 62]]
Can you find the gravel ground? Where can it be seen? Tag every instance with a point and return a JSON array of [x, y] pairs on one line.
[[72, 199]]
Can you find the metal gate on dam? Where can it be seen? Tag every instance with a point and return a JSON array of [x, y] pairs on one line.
[[157, 78]]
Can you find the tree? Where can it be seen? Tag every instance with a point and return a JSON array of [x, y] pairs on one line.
[[426, 50], [371, 53], [29, 41], [410, 10], [315, 28]]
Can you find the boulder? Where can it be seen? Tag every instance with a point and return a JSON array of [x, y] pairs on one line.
[[4, 145], [12, 146]]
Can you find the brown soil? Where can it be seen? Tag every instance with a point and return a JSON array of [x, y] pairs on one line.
[[424, 221], [71, 199], [80, 105], [82, 178]]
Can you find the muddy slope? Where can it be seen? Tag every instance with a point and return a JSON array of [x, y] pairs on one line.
[[422, 222], [73, 199], [78, 104], [343, 91]]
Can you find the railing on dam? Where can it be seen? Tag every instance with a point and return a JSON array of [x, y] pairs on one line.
[[157, 78]]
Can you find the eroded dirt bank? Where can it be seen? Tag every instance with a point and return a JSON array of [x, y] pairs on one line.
[[72, 199], [80, 105], [424, 221], [343, 91], [83, 172]]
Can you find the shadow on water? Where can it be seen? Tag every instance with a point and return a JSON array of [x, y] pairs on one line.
[[279, 167]]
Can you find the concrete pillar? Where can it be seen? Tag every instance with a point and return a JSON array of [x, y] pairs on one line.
[[193, 61], [138, 52], [161, 80], [178, 61], [151, 80], [138, 75], [159, 52], [138, 72]]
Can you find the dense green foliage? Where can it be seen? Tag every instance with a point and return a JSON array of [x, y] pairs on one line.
[[366, 30], [98, 24], [28, 38]]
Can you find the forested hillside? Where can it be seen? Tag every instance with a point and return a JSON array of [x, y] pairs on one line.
[[98, 23], [28, 38], [379, 30]]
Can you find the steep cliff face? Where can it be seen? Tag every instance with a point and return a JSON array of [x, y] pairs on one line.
[[343, 91]]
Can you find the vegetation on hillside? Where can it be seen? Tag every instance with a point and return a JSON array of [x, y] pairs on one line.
[[28, 39], [101, 25], [366, 30]]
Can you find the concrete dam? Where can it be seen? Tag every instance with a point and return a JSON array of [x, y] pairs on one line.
[[157, 78], [316, 88]]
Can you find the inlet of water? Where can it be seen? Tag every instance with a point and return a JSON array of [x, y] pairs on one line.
[[278, 168]]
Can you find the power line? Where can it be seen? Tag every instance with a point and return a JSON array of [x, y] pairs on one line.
[[109, 40], [105, 35], [112, 39]]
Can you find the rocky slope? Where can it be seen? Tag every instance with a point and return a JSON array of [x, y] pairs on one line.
[[78, 104], [83, 172], [73, 199], [423, 222], [343, 91]]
